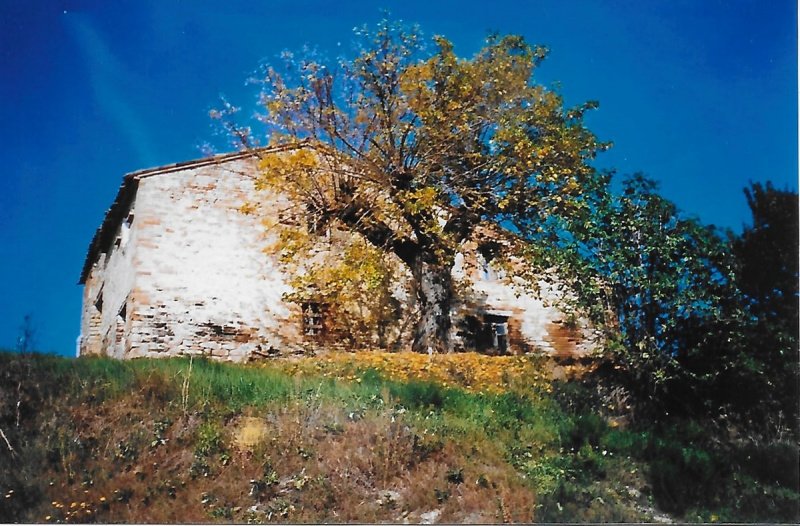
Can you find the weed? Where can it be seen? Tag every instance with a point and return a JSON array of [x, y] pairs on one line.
[[441, 495], [455, 476]]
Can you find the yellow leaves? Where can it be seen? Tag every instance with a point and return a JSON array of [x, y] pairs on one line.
[[422, 199], [275, 106], [74, 512], [248, 208], [355, 281], [284, 162], [473, 372]]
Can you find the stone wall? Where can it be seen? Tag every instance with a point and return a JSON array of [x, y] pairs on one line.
[[105, 319], [534, 320], [203, 282], [188, 273]]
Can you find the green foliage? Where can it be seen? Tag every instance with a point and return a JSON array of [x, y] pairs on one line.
[[209, 440], [686, 336], [690, 472], [767, 274]]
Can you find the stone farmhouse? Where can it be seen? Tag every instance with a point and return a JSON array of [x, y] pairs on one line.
[[176, 268]]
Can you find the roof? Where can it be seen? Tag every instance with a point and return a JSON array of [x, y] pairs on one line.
[[105, 234]]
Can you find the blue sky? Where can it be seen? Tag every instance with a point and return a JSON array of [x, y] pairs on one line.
[[699, 94]]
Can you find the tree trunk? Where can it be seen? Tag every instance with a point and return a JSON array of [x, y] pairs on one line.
[[434, 291]]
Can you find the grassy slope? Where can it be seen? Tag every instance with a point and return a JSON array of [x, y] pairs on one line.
[[331, 441]]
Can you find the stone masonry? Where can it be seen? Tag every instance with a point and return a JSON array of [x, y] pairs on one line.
[[176, 268]]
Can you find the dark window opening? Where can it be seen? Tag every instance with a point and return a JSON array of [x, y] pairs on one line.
[[287, 218], [496, 331], [312, 319], [485, 332], [98, 303], [489, 250], [315, 221], [500, 336]]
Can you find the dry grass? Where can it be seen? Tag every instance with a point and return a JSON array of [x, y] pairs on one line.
[[309, 463]]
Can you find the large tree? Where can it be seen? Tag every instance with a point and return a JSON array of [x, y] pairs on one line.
[[767, 273], [412, 147], [660, 284], [698, 321]]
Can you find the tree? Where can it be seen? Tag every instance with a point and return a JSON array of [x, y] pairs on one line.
[[698, 322], [412, 150], [355, 287], [26, 340], [661, 286], [767, 274]]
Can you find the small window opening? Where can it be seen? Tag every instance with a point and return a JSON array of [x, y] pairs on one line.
[[486, 271], [500, 336], [487, 252], [312, 319], [98, 303], [498, 325], [315, 221], [287, 218]]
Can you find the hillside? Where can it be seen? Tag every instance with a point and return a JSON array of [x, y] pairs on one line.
[[357, 438]]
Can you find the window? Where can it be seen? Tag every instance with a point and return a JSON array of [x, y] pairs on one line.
[[500, 336], [287, 218], [312, 319], [315, 221], [496, 323], [98, 302], [486, 271], [487, 252]]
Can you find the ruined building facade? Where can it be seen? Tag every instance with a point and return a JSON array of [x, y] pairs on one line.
[[176, 268]]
